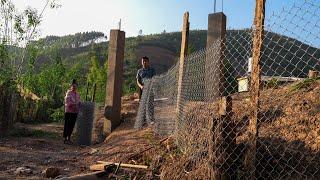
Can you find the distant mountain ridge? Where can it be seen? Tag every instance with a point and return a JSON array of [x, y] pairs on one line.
[[281, 56]]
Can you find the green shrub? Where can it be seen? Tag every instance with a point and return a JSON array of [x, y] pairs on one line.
[[304, 84], [57, 115], [273, 83], [23, 132]]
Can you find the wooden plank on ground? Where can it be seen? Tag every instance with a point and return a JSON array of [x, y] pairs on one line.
[[102, 164]]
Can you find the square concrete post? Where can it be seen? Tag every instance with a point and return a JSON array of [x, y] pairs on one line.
[[222, 136], [216, 27], [216, 37], [115, 78], [222, 142]]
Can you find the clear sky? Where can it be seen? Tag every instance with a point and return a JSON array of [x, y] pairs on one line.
[[152, 16]]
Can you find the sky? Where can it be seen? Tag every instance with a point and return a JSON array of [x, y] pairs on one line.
[[151, 16]]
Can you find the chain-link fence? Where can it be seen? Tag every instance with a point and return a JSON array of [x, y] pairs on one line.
[[213, 118], [158, 102]]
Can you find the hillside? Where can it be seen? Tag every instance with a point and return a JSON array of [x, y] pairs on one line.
[[282, 55], [239, 45], [71, 54]]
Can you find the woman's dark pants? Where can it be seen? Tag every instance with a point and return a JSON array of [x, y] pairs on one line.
[[69, 122]]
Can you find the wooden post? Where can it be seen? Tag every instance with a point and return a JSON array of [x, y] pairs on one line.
[[115, 77], [94, 92], [223, 143], [183, 54], [250, 156]]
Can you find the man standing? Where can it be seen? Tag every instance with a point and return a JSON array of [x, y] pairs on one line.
[[144, 74], [144, 81]]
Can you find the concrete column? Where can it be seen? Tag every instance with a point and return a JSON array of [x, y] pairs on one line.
[[216, 37], [216, 27], [115, 77]]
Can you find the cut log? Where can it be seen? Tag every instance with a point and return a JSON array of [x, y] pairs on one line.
[[100, 167]]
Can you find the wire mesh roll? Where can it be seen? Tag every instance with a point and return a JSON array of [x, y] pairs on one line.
[[85, 123]]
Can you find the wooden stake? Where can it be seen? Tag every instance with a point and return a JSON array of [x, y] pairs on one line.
[[183, 54], [250, 156], [100, 167]]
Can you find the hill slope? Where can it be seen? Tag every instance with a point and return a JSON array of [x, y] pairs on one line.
[[281, 54]]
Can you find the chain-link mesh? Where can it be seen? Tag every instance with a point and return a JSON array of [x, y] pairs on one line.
[[289, 113], [211, 117], [84, 123], [158, 102]]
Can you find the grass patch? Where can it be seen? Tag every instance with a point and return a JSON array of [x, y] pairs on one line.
[[304, 84], [150, 138], [273, 83], [23, 132]]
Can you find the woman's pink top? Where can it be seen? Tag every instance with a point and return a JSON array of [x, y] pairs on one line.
[[72, 102]]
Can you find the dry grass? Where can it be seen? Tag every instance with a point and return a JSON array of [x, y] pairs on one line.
[[288, 142]]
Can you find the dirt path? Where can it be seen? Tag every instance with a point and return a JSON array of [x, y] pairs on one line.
[[43, 148]]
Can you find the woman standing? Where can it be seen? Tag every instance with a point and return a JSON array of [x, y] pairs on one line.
[[72, 105]]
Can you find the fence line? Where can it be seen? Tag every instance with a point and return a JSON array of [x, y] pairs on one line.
[[215, 134]]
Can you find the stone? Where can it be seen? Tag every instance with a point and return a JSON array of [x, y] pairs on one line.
[[23, 171], [93, 151], [51, 172]]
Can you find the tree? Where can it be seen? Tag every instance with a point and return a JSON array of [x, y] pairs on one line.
[[17, 30], [98, 75]]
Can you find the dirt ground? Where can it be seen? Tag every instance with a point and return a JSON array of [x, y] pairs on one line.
[[39, 153], [39, 146], [289, 129]]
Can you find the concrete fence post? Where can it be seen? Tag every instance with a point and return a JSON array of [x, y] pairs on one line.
[[115, 78], [214, 64], [222, 143], [183, 54], [250, 156]]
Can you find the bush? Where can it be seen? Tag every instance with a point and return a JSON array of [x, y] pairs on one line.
[[304, 84], [273, 83], [24, 132], [57, 115]]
